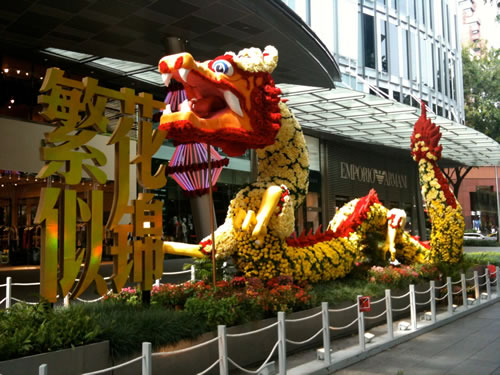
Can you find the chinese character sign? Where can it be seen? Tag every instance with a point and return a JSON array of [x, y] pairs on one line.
[[76, 108]]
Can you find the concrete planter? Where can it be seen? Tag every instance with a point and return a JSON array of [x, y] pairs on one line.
[[74, 361], [253, 349]]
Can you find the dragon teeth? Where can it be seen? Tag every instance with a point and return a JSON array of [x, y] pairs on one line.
[[166, 78], [185, 106], [184, 73], [233, 102]]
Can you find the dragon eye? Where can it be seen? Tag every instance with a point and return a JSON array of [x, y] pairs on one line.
[[223, 66]]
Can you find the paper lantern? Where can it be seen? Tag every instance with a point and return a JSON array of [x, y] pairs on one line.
[[189, 167]]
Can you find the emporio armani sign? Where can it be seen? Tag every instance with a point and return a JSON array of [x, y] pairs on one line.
[[359, 173]]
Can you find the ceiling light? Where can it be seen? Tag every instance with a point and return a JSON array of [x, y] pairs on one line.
[[9, 107], [18, 71], [3, 185], [27, 74], [12, 100], [6, 70]]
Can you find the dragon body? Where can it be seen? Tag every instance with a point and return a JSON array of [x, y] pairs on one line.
[[232, 102]]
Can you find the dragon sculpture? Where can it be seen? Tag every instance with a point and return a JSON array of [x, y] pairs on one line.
[[233, 103]]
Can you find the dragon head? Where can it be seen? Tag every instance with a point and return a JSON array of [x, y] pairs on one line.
[[232, 101]]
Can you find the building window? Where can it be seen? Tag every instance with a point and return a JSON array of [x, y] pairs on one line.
[[414, 54], [439, 70], [403, 8], [368, 41], [422, 12], [406, 54], [454, 81], [446, 74], [394, 51], [433, 78], [412, 6], [431, 14], [424, 62], [383, 45], [448, 23]]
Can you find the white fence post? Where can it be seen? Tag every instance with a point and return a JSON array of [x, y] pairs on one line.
[[43, 370], [223, 365], [282, 343], [388, 313], [476, 285], [464, 290], [497, 274], [449, 287], [193, 273], [488, 285], [66, 300], [413, 307], [433, 301], [361, 326], [326, 332], [147, 360], [8, 292]]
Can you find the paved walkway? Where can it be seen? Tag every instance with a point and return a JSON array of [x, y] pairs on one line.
[[469, 346]]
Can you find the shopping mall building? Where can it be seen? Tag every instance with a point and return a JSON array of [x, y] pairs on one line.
[[353, 73]]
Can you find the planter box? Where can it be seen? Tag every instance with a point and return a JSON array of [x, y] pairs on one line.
[[253, 349], [74, 361]]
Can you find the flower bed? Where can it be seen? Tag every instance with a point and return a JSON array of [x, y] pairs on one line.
[[186, 311], [231, 302]]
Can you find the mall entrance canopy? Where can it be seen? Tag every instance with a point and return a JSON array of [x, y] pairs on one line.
[[367, 118], [143, 31], [117, 42]]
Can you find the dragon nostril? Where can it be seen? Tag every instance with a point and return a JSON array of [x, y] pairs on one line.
[[179, 62], [164, 67]]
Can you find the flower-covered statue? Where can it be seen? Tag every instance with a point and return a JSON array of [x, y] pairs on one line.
[[233, 103]]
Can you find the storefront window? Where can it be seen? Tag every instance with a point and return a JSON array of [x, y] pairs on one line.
[[340, 201], [20, 239]]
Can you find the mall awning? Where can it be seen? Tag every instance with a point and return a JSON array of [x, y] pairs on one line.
[[367, 118], [144, 31]]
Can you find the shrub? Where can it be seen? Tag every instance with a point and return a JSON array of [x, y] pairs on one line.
[[131, 296], [483, 258], [391, 276], [127, 326], [174, 296], [480, 243], [27, 330]]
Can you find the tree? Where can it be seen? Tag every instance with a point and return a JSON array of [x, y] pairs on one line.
[[455, 177], [482, 100], [482, 91]]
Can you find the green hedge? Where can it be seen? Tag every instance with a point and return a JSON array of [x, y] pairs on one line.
[[481, 243]]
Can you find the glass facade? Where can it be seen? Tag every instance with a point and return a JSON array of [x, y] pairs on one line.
[[408, 46]]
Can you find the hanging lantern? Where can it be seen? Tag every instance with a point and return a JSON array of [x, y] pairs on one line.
[[189, 167], [189, 164]]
